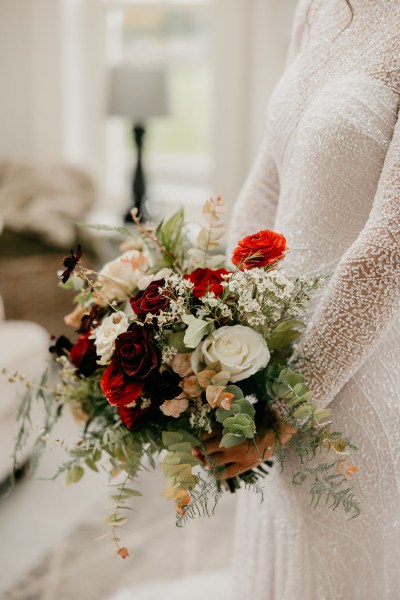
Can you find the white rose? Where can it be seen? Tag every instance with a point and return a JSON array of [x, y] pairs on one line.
[[145, 280], [107, 333], [239, 350], [118, 278]]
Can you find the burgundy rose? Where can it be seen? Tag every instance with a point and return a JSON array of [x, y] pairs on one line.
[[130, 414], [119, 390], [150, 300], [206, 280], [135, 353], [83, 355]]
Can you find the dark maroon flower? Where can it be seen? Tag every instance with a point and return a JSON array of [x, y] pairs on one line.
[[60, 346], [88, 320], [136, 353], [83, 355], [150, 300], [70, 263], [163, 386], [206, 280], [117, 388]]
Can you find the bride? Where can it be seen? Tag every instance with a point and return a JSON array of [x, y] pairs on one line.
[[328, 178]]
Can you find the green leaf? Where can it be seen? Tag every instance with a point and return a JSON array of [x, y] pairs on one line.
[[322, 413], [303, 411], [231, 439], [284, 333], [74, 474], [170, 233], [236, 391], [246, 407], [129, 493], [176, 340], [115, 519], [197, 329], [91, 464], [171, 437], [221, 414], [123, 230]]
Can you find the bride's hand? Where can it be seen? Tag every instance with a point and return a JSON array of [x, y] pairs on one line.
[[243, 457]]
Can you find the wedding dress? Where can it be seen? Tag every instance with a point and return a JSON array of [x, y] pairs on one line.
[[328, 178]]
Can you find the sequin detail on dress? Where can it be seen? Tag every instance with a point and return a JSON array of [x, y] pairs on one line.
[[328, 178]]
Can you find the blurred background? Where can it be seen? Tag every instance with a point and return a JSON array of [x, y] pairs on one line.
[[87, 88]]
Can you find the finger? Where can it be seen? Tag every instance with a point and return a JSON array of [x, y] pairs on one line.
[[215, 460], [234, 469], [207, 436], [212, 446], [199, 455]]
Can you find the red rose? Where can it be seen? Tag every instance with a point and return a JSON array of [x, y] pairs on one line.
[[259, 250], [118, 389], [130, 414], [135, 353], [150, 300], [83, 355], [206, 280]]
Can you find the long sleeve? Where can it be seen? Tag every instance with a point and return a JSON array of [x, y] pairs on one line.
[[362, 296]]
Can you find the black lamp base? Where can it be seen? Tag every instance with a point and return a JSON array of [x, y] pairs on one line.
[[138, 179]]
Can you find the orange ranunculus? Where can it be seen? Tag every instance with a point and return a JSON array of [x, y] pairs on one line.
[[259, 250]]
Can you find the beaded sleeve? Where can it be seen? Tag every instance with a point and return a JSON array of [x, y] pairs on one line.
[[363, 294]]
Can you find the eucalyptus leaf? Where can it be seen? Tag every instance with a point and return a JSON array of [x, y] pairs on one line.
[[230, 439], [74, 474]]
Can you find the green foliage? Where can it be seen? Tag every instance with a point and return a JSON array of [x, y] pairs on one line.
[[197, 329], [170, 235], [122, 230], [284, 334], [74, 474], [238, 422], [314, 437], [177, 464], [331, 486]]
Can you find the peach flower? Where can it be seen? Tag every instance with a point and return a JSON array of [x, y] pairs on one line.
[[73, 319], [174, 408], [181, 364], [191, 386]]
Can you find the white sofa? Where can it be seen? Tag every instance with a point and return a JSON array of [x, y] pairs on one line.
[[24, 348]]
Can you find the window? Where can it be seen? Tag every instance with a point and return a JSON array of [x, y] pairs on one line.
[[178, 149]]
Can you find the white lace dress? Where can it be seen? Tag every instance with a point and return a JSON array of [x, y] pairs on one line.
[[328, 178]]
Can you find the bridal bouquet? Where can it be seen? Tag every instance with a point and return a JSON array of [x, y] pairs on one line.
[[172, 345]]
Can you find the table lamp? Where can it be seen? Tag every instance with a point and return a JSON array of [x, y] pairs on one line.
[[139, 94]]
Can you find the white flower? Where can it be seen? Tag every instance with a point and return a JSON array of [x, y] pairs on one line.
[[145, 280], [106, 334], [119, 278], [238, 349]]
